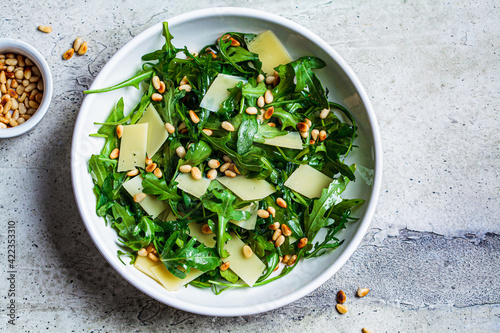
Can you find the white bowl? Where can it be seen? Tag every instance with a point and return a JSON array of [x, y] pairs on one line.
[[196, 29], [8, 45]]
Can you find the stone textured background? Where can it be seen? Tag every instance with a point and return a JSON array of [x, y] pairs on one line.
[[431, 257]]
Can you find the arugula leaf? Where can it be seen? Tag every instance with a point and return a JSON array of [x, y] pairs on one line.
[[132, 82], [159, 187], [248, 128], [197, 153], [330, 196], [287, 119], [307, 79], [190, 256], [229, 275], [223, 207]]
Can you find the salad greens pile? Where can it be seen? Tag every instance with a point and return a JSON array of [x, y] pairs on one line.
[[298, 95]]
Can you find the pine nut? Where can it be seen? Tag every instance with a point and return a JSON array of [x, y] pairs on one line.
[[36, 71], [163, 87], [341, 297], [156, 97], [4, 120], [302, 127], [170, 128], [263, 213], [227, 159], [68, 54], [15, 104], [194, 117], [207, 131], [234, 42], [153, 257], [247, 251], [286, 230], [269, 79], [292, 260], [181, 152], [22, 108], [20, 121], [156, 82], [185, 87], [251, 110], [279, 241], [186, 168], [260, 78], [19, 74], [83, 48], [138, 197], [114, 154], [212, 174], [362, 292], [151, 167], [213, 163], [302, 242], [196, 173], [269, 113], [230, 173], [15, 115], [3, 88], [20, 90], [227, 126], [20, 60], [184, 81], [286, 258], [2, 125], [30, 87], [322, 135], [133, 173], [271, 211], [119, 131], [314, 134], [45, 28], [206, 229], [308, 122], [235, 169], [7, 106], [3, 78], [268, 97], [148, 161], [26, 116], [151, 248], [158, 173], [365, 330], [225, 166], [324, 113], [276, 234], [14, 83], [38, 97], [274, 226], [33, 79], [27, 73], [281, 202], [39, 85], [77, 44], [341, 308], [224, 266], [261, 102], [142, 252], [10, 70]]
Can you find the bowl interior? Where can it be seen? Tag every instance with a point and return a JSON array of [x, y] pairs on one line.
[[8, 45], [195, 30]]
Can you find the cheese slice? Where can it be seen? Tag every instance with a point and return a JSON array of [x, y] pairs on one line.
[[217, 93], [308, 181], [133, 147], [144, 264], [290, 140], [157, 133], [248, 269], [151, 205], [196, 187], [270, 50], [250, 223], [248, 189], [195, 231], [171, 282]]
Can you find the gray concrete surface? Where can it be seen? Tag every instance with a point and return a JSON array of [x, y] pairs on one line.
[[431, 257]]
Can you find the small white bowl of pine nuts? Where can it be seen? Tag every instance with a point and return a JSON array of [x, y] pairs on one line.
[[25, 87]]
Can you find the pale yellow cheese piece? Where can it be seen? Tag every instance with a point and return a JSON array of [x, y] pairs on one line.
[[248, 269], [196, 187], [291, 140], [308, 181], [144, 264], [195, 231], [171, 282], [248, 189], [270, 50], [250, 223], [217, 92], [151, 205], [133, 147], [157, 133]]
